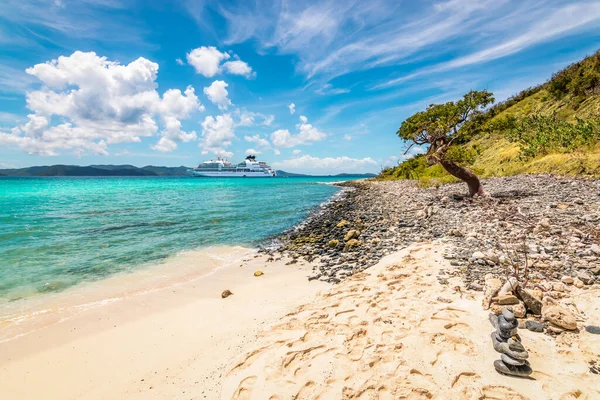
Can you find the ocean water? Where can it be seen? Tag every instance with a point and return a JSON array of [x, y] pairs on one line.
[[56, 232]]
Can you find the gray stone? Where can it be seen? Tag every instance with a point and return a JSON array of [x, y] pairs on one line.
[[593, 329], [502, 347], [534, 326], [505, 325], [585, 277], [512, 361], [595, 249], [507, 334], [515, 345], [508, 315], [531, 301], [513, 370]]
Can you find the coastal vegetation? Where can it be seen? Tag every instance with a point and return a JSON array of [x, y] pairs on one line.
[[551, 128], [440, 126]]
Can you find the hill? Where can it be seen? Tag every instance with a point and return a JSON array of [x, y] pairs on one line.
[[95, 170], [568, 101], [285, 174], [72, 170], [126, 170]]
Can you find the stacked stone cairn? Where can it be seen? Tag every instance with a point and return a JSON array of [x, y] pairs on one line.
[[513, 359]]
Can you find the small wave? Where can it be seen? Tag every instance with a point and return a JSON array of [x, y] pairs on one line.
[[128, 226]]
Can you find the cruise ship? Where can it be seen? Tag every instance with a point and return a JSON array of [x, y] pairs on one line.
[[220, 168]]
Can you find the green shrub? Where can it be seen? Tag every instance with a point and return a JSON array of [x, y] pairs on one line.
[[539, 135]]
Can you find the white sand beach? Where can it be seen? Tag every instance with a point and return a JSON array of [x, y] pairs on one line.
[[391, 332]]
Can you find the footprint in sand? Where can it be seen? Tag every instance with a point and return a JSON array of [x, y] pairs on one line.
[[244, 390]]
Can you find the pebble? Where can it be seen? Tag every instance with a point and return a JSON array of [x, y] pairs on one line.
[[506, 326], [508, 315], [567, 279], [593, 329], [479, 232], [523, 370], [534, 326], [512, 361], [506, 300]]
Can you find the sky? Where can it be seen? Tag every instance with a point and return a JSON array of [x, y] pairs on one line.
[[308, 86]]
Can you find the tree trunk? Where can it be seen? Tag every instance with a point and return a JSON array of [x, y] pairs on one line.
[[475, 186]]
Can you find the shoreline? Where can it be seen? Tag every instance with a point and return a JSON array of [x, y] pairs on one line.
[[146, 339], [144, 278], [184, 341]]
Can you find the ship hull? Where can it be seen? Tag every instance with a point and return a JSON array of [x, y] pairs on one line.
[[215, 174]]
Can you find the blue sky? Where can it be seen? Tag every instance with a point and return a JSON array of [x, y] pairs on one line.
[[317, 87]]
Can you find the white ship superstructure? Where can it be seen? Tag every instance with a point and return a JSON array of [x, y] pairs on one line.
[[220, 168]]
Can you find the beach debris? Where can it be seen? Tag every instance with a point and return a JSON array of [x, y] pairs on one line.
[[226, 293], [513, 358], [258, 272]]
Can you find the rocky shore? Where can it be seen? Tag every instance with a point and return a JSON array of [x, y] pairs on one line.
[[544, 228]]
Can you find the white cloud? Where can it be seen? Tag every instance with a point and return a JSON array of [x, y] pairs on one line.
[[347, 137], [307, 163], [307, 134], [252, 152], [208, 61], [328, 89], [97, 102], [248, 118], [179, 61], [217, 135], [217, 94], [165, 145], [297, 151], [292, 108], [277, 152], [391, 161], [261, 142], [333, 38], [238, 67]]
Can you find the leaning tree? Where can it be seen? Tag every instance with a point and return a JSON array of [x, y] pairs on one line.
[[442, 125]]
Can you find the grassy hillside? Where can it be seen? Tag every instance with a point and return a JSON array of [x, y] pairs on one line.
[[571, 96]]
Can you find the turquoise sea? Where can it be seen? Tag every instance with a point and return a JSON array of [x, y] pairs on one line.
[[58, 231]]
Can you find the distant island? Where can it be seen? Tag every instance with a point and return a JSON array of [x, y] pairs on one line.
[[128, 170]]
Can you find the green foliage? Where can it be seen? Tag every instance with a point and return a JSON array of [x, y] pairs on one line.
[[440, 123], [410, 169], [541, 135], [549, 128], [579, 80]]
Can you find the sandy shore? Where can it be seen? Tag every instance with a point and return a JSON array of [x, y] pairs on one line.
[[173, 341], [393, 332], [390, 332]]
